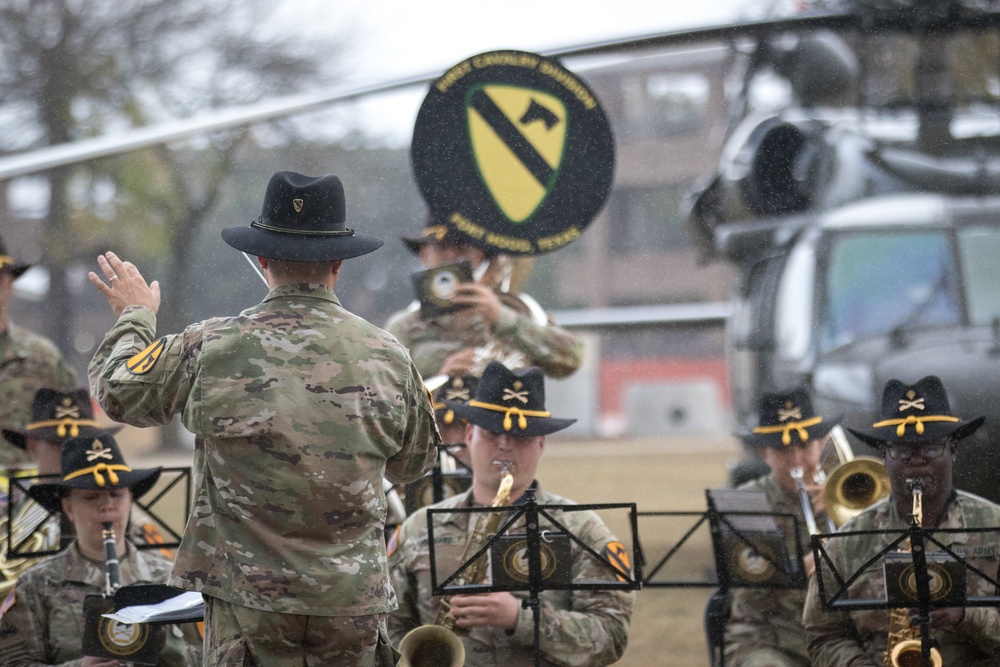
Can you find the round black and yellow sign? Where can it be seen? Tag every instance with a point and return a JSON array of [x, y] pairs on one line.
[[752, 564], [515, 561], [939, 582], [122, 639], [513, 152]]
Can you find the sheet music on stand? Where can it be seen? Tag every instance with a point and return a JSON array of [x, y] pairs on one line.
[[755, 547]]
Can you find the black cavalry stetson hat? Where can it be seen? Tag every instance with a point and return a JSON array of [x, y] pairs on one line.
[[458, 389], [93, 463], [510, 402], [787, 418], [57, 415], [303, 220], [434, 231], [7, 263], [915, 414]]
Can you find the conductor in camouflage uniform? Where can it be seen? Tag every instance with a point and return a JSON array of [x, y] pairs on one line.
[[507, 427], [453, 342], [919, 439], [765, 624], [299, 409], [28, 362]]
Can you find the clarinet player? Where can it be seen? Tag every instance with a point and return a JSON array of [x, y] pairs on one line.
[[42, 619]]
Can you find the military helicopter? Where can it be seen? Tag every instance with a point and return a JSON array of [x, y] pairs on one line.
[[863, 216], [860, 214]]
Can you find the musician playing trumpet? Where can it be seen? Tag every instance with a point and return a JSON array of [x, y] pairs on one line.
[[42, 620], [506, 433], [765, 625], [919, 438], [456, 343]]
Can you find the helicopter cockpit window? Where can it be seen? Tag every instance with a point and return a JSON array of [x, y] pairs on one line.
[[978, 249], [794, 305], [880, 282]]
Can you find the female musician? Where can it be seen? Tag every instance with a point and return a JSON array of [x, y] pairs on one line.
[[42, 620]]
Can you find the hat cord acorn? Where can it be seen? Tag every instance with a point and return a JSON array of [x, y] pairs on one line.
[[786, 429], [522, 415], [6, 260], [449, 415], [97, 471], [901, 423], [64, 426]]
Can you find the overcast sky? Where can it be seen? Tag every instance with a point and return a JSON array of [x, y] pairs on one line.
[[393, 39]]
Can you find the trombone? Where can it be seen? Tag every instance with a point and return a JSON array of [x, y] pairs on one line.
[[853, 485]]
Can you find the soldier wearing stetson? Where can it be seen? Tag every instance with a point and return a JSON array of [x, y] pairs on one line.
[[507, 425], [919, 438], [300, 409], [450, 343], [42, 621], [765, 625], [28, 362]]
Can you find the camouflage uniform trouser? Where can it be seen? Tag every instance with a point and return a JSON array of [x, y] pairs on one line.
[[763, 657], [236, 636]]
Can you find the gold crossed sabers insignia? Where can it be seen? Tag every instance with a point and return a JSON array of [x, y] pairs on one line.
[[791, 412], [511, 395], [915, 404], [67, 411], [100, 451], [457, 394]]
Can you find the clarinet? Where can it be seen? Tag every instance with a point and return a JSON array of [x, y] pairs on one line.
[[112, 574]]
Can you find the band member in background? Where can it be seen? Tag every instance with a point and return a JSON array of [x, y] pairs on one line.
[[458, 389], [42, 622], [765, 625], [301, 410], [578, 627], [28, 362], [450, 344], [56, 416], [919, 439]]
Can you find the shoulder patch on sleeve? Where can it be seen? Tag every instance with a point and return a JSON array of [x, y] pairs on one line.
[[144, 361], [7, 603], [617, 555], [390, 548]]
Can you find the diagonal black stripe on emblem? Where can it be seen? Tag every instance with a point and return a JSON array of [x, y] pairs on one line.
[[512, 137]]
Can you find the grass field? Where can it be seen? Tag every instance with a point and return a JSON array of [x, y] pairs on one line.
[[657, 475]]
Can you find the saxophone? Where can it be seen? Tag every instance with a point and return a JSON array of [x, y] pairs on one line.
[[438, 645], [902, 648]]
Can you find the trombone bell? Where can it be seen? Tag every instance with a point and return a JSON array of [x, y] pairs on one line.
[[854, 486]]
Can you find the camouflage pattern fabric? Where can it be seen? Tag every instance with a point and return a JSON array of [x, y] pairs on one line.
[[557, 351], [577, 627], [858, 638], [300, 409], [240, 637], [765, 624], [28, 362], [45, 624]]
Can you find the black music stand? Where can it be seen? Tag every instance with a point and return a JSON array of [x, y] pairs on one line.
[[19, 503], [742, 523], [535, 582], [945, 594]]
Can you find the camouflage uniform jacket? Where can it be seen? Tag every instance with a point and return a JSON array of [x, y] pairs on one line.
[[556, 351], [577, 627], [28, 362], [45, 625], [299, 409], [770, 617], [858, 638]]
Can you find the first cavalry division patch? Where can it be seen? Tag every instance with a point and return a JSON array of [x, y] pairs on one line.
[[514, 152], [617, 555], [143, 362]]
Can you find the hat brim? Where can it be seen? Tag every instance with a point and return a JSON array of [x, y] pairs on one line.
[[492, 421], [414, 244], [20, 438], [50, 496], [816, 432], [18, 269], [933, 431], [299, 247]]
